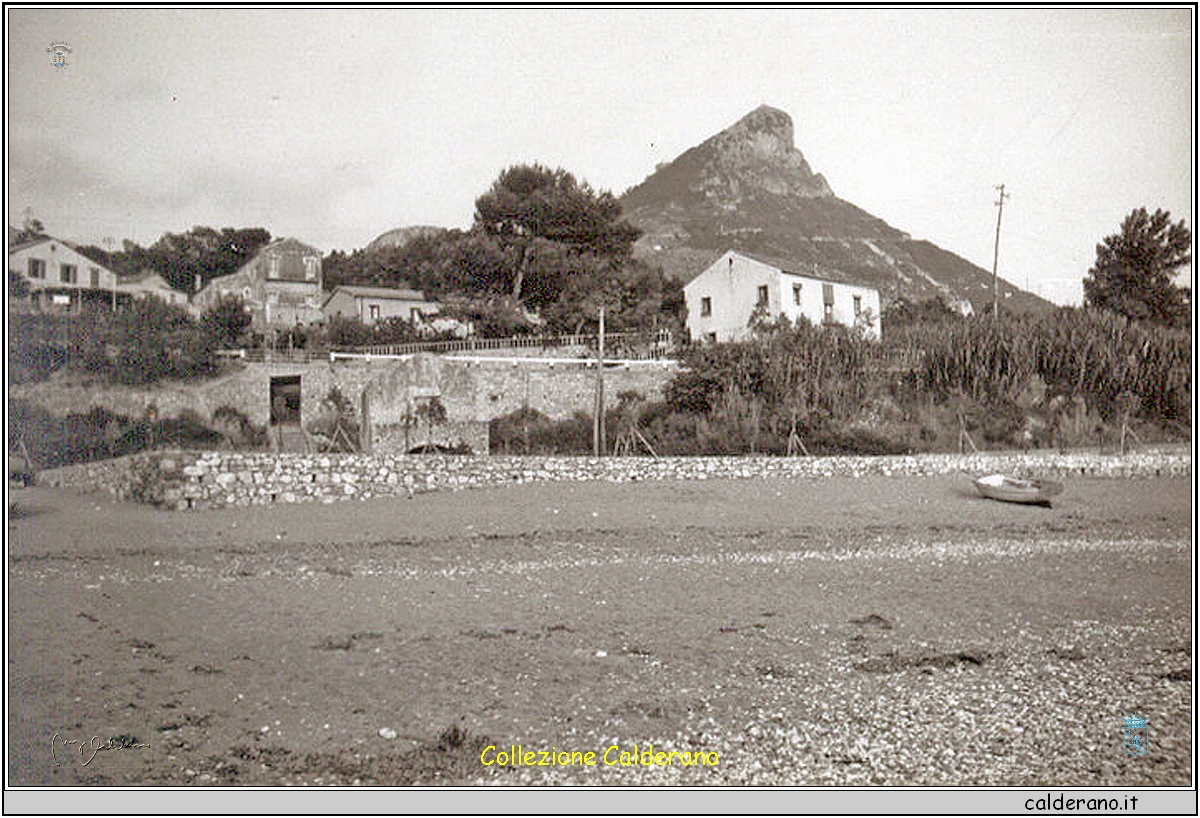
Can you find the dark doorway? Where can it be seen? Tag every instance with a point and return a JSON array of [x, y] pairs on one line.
[[285, 399]]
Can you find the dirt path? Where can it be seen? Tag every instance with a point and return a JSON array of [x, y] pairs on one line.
[[846, 631]]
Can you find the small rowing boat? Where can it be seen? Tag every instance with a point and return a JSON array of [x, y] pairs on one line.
[[1018, 489]]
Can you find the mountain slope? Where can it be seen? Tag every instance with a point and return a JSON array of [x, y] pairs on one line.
[[748, 188]]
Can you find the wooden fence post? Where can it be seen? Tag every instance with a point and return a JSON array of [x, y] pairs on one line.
[[365, 437]]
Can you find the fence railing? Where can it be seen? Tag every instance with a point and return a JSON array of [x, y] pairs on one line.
[[261, 355], [635, 346], [632, 345]]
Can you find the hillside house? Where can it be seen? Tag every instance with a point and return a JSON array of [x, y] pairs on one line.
[[58, 278], [150, 284], [374, 304], [281, 286], [722, 298]]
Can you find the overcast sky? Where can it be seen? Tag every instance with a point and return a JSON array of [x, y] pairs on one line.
[[334, 126]]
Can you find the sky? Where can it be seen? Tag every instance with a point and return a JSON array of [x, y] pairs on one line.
[[334, 126]]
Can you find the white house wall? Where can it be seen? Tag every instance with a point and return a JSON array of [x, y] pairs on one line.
[[732, 283], [812, 302], [53, 254]]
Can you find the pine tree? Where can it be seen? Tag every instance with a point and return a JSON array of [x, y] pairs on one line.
[[1134, 270]]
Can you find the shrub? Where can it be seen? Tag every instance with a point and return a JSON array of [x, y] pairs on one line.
[[154, 340], [226, 321], [237, 428], [528, 431], [336, 424], [341, 331]]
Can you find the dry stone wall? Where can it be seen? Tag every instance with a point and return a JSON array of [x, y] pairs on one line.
[[198, 480]]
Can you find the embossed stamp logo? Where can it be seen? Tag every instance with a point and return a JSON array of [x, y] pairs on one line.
[[1137, 736], [58, 54]]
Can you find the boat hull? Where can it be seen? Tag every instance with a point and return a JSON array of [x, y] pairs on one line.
[[1010, 489]]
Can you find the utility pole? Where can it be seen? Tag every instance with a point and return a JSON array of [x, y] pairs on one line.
[[996, 255], [598, 441], [108, 246]]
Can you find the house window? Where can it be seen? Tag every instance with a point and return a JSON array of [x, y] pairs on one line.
[[828, 312], [94, 277], [414, 315], [37, 268], [705, 306], [310, 268], [67, 273], [857, 305], [763, 295], [374, 310], [796, 294], [712, 337]]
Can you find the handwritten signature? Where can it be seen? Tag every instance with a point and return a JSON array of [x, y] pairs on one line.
[[88, 749]]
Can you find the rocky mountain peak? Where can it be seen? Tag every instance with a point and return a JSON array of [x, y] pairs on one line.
[[749, 188], [758, 154]]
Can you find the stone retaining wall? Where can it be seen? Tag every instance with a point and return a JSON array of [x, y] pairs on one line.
[[195, 480], [470, 388]]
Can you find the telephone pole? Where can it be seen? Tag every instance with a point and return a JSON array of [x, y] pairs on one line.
[[996, 256], [599, 444]]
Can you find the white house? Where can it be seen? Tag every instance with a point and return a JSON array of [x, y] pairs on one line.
[[59, 278], [374, 304], [149, 283], [721, 299]]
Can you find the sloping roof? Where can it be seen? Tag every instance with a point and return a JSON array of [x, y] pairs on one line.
[[807, 270], [380, 292], [277, 243], [33, 241], [147, 278]]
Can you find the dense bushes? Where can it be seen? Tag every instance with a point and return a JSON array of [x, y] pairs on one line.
[[1105, 359], [936, 382], [932, 372], [52, 441], [148, 341], [528, 431]]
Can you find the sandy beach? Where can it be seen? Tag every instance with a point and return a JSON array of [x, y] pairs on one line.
[[831, 631]]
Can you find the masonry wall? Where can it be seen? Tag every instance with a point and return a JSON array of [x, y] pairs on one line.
[[472, 391], [198, 480]]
